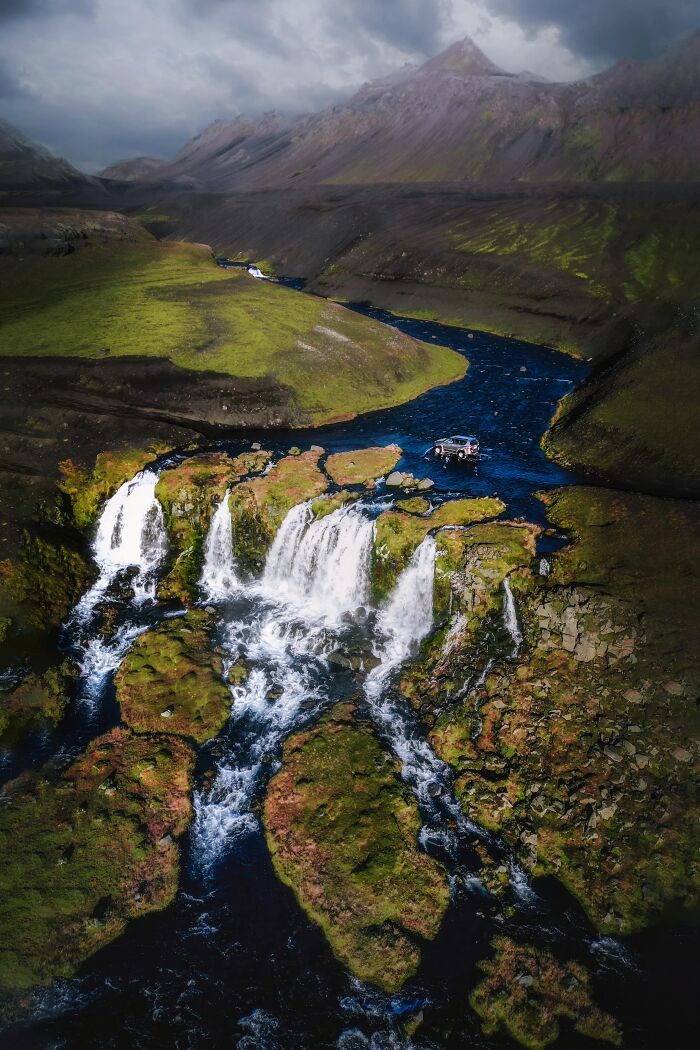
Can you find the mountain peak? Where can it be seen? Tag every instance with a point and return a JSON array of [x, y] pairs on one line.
[[463, 58]]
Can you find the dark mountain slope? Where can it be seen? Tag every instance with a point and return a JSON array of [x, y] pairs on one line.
[[24, 165], [460, 117], [132, 169]]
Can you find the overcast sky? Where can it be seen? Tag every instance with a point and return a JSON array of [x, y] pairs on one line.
[[98, 80]]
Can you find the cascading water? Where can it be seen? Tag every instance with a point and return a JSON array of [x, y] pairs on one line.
[[130, 535], [219, 578], [510, 617], [407, 618], [316, 576], [321, 565]]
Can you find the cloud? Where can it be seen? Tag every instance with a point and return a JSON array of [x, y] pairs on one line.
[[96, 80], [18, 9], [604, 30]]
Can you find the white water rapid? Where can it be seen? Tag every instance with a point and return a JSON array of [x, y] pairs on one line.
[[219, 578], [130, 535], [316, 579], [321, 565], [510, 617], [407, 618]]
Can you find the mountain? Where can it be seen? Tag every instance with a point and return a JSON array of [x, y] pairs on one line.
[[26, 165], [460, 117], [132, 169]]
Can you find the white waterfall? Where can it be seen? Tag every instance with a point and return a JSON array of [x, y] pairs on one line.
[[321, 566], [130, 534], [407, 618], [316, 572], [219, 579], [510, 617]]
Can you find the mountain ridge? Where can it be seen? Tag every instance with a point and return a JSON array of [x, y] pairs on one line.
[[459, 117]]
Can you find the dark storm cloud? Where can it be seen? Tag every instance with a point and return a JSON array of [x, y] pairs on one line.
[[413, 26], [9, 81], [95, 80], [603, 30], [15, 9]]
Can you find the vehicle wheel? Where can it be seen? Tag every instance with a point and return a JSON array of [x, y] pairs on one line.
[[461, 455]]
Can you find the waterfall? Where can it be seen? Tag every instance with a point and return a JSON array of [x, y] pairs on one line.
[[321, 566], [407, 617], [219, 580], [317, 572], [131, 534], [510, 617]]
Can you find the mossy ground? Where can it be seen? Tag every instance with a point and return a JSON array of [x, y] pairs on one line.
[[171, 681], [342, 831], [88, 489], [470, 568], [40, 587], [582, 752], [635, 422], [397, 535], [362, 466], [258, 507], [168, 299], [188, 495], [527, 991], [87, 849], [39, 701]]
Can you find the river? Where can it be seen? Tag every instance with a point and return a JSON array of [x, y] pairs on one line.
[[234, 962]]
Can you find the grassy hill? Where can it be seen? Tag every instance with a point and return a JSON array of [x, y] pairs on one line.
[[101, 290]]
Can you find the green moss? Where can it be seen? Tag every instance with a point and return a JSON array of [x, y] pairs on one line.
[[188, 495], [38, 701], [171, 681], [342, 832], [415, 505], [324, 505], [88, 490], [167, 299], [362, 466], [42, 586], [527, 991], [87, 849], [258, 507], [580, 753], [397, 535], [634, 422]]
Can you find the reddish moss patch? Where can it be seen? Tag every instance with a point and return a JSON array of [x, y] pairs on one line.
[[87, 849], [342, 830], [526, 991]]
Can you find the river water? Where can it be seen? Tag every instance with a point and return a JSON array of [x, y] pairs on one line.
[[234, 962]]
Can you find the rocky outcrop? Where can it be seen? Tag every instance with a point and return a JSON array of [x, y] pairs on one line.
[[528, 992], [86, 849], [362, 466], [171, 681], [578, 745], [398, 533], [188, 494], [342, 831]]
